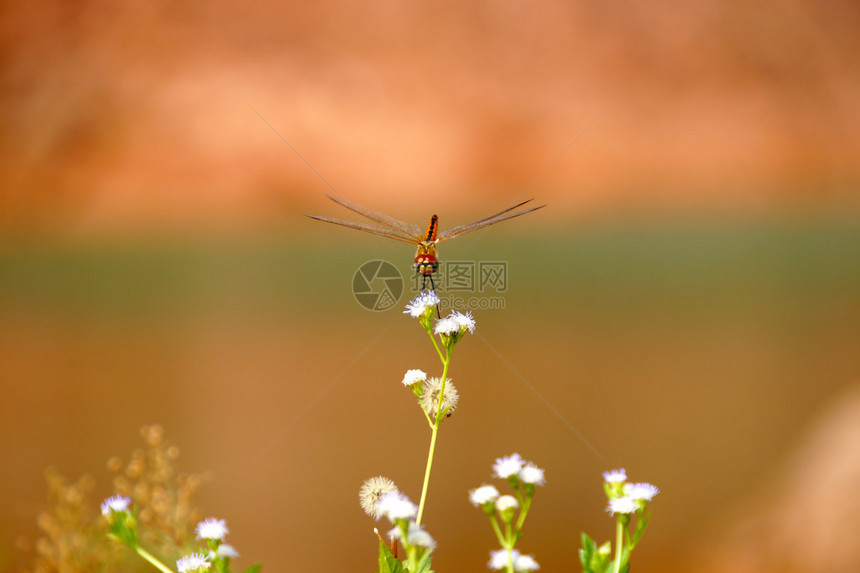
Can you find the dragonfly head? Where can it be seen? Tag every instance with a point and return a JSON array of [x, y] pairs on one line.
[[426, 248]]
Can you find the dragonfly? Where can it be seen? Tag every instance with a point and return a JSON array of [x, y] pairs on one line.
[[426, 257]]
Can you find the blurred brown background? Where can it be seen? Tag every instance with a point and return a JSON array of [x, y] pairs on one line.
[[689, 300]]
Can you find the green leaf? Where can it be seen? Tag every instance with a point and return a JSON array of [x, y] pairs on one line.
[[255, 568], [600, 558], [388, 563], [424, 564], [640, 529], [586, 553]]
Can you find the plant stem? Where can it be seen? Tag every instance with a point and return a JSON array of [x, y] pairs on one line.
[[411, 556], [619, 540], [499, 535], [435, 431], [524, 510], [151, 558], [436, 346], [427, 473]]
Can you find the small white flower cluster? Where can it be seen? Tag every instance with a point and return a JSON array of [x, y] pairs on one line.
[[414, 377], [517, 472], [506, 503], [211, 528], [212, 531], [455, 323], [615, 476], [395, 506], [422, 305], [483, 495], [640, 491], [193, 563], [450, 329], [379, 497], [118, 503], [628, 502], [524, 477], [522, 563], [624, 497], [121, 521], [401, 512], [516, 468]]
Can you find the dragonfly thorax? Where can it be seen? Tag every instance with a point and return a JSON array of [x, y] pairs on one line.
[[426, 262]]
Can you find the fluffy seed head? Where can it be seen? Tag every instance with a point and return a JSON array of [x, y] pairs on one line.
[[430, 397], [370, 492]]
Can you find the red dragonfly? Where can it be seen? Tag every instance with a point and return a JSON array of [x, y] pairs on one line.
[[426, 261]]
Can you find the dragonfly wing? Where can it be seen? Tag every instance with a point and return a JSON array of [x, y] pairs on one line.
[[384, 232], [504, 215], [413, 231]]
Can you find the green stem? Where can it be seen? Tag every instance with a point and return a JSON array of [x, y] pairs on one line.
[[427, 473], [435, 432], [509, 545], [436, 346], [427, 417], [619, 541], [499, 535], [524, 509], [151, 558], [411, 556]]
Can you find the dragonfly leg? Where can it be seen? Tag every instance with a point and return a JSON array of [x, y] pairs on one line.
[[433, 287]]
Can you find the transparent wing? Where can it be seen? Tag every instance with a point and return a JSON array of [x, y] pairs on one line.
[[408, 229], [381, 231], [508, 213]]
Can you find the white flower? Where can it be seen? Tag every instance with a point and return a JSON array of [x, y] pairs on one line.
[[640, 491], [430, 396], [115, 503], [447, 326], [212, 528], [421, 303], [396, 506], [507, 466], [530, 473], [525, 563], [413, 377], [484, 494], [506, 502], [226, 551], [464, 321], [415, 535], [615, 476], [499, 558], [622, 505], [193, 563], [371, 491]]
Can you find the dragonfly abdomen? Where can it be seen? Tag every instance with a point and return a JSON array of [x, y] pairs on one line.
[[430, 236]]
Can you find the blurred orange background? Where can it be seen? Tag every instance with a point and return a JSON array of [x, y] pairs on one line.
[[689, 302]]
